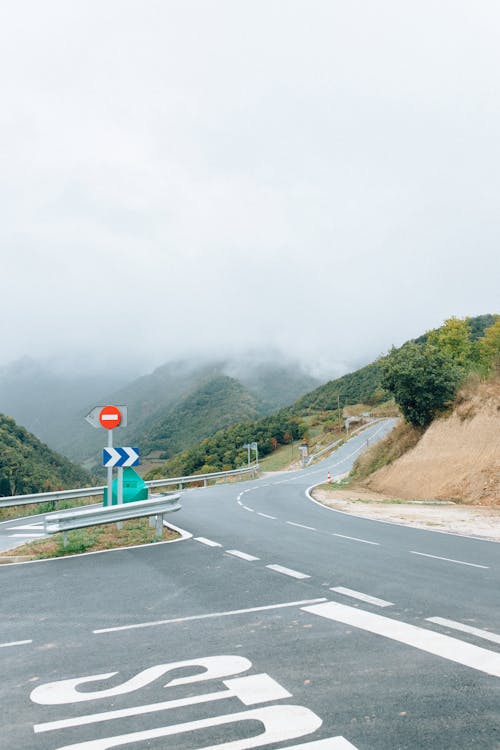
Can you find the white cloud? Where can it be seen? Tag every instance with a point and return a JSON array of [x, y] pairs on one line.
[[180, 176]]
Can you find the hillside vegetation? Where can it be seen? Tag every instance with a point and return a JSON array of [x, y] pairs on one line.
[[422, 378], [456, 458], [28, 466]]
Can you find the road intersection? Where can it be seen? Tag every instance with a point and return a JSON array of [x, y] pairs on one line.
[[278, 624]]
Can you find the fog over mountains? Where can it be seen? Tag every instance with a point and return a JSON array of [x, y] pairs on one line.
[[179, 402]]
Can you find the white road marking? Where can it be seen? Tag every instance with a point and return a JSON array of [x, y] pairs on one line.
[[26, 536], [448, 559], [63, 692], [14, 643], [208, 616], [26, 527], [280, 723], [301, 525], [264, 515], [363, 597], [208, 542], [355, 539], [331, 743], [411, 635], [250, 690], [493, 637], [287, 571], [247, 508], [243, 555]]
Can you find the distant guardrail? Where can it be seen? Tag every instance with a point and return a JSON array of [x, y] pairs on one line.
[[82, 518], [180, 482], [331, 446]]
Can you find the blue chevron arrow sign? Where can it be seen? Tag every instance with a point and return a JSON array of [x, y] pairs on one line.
[[120, 457]]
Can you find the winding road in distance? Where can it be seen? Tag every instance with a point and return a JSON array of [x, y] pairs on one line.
[[279, 623]]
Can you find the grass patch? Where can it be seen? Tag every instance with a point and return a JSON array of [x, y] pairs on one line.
[[106, 536], [281, 458]]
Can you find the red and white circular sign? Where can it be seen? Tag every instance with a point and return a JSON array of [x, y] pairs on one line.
[[110, 417]]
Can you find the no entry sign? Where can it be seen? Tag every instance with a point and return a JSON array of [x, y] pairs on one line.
[[110, 417]]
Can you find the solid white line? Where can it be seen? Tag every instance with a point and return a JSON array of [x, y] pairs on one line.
[[250, 509], [264, 515], [26, 536], [301, 525], [493, 637], [243, 555], [287, 571], [363, 597], [355, 539], [14, 643], [208, 616], [411, 635], [448, 559], [208, 542]]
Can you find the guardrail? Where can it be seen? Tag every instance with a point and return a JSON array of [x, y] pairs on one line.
[[44, 497], [79, 519], [328, 448]]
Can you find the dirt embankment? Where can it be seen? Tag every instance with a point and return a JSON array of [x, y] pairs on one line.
[[457, 458]]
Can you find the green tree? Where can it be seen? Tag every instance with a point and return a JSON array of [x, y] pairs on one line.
[[453, 339], [422, 379], [489, 346]]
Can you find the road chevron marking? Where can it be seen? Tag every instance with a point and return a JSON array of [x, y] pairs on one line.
[[430, 641]]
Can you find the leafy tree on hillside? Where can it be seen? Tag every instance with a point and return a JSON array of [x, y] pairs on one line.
[[422, 379], [453, 339], [489, 346]]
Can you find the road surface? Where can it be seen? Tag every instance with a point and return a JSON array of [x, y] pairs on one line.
[[278, 624]]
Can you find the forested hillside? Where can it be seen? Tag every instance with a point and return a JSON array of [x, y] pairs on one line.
[[362, 386], [224, 450], [27, 465], [422, 377], [215, 404]]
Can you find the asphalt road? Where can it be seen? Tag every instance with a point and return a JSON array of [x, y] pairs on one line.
[[278, 624]]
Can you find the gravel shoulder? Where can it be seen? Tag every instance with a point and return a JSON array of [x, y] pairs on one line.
[[467, 520]]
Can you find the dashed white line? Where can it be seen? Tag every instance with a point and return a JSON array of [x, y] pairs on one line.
[[38, 526], [14, 643], [209, 616], [301, 525], [243, 555], [208, 542], [287, 571], [493, 637], [363, 597], [355, 539], [448, 559], [265, 515], [429, 641]]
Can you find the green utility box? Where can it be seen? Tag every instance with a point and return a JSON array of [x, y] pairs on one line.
[[134, 488]]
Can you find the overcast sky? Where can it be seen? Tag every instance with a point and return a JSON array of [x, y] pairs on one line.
[[320, 176]]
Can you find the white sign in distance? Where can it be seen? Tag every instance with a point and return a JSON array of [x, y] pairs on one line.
[[93, 416]]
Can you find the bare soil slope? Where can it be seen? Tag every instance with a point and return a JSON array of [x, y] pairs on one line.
[[457, 458]]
